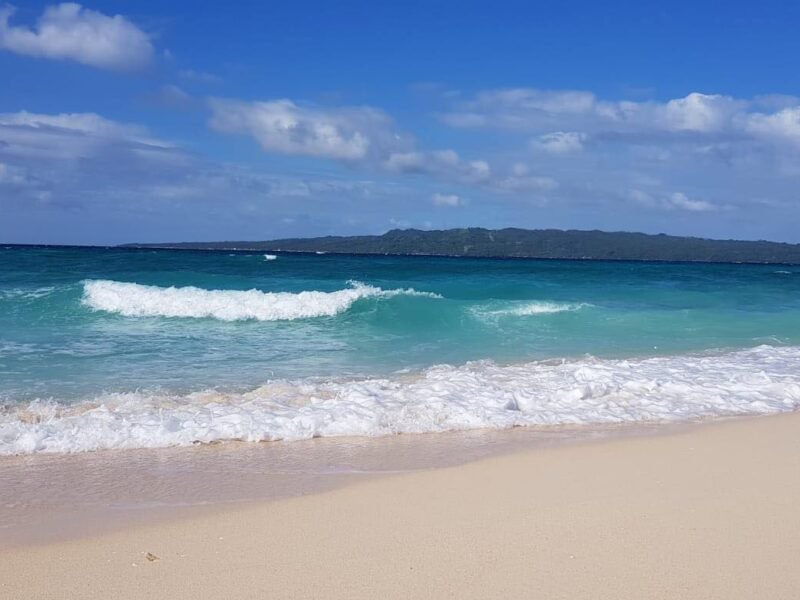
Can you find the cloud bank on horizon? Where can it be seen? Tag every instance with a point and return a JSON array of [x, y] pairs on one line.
[[113, 136]]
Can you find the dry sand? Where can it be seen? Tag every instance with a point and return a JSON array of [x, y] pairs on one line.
[[709, 513]]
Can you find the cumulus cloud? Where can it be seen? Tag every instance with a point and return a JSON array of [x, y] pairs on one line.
[[783, 125], [586, 149], [83, 177], [449, 200], [356, 135], [564, 119], [362, 136], [69, 31], [347, 133], [695, 112]]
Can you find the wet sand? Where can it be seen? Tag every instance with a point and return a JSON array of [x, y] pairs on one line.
[[708, 512]]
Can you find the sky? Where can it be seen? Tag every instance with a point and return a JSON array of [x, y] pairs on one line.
[[177, 121]]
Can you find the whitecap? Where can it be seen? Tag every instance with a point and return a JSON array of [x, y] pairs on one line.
[[136, 300]]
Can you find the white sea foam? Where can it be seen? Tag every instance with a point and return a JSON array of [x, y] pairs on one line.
[[135, 300], [527, 309], [541, 308], [27, 293], [270, 257], [476, 395]]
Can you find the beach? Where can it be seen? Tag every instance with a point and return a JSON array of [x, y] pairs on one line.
[[189, 424], [397, 300], [706, 512]]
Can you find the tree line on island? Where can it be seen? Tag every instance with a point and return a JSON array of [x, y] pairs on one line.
[[521, 243]]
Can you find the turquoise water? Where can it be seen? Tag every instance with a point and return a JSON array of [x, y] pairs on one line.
[[71, 332]]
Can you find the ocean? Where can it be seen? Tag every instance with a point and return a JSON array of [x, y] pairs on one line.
[[128, 348]]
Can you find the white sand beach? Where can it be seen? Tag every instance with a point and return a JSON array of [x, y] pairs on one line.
[[706, 513]]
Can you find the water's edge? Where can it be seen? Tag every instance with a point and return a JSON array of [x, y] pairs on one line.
[[53, 498]]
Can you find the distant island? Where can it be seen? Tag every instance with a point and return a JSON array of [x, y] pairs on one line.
[[522, 243]]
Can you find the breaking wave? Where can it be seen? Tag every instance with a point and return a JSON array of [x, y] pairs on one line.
[[135, 300], [475, 395]]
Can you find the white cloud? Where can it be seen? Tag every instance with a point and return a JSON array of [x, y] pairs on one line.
[[450, 200], [514, 106], [82, 168], [407, 162], [782, 125], [357, 135], [70, 135], [698, 112], [560, 142], [683, 202], [564, 119], [66, 160], [68, 31], [445, 164], [348, 133], [675, 201]]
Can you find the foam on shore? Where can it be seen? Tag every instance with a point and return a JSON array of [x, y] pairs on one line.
[[443, 398]]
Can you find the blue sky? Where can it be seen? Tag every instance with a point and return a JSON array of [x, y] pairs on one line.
[[161, 121]]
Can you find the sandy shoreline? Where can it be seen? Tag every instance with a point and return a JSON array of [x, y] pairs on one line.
[[706, 513]]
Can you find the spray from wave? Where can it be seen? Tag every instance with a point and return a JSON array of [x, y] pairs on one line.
[[135, 300], [475, 395]]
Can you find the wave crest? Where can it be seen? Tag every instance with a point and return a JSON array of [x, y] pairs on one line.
[[136, 300]]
